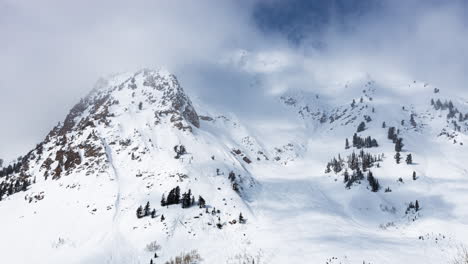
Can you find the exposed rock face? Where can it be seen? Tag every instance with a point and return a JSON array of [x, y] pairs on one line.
[[77, 143]]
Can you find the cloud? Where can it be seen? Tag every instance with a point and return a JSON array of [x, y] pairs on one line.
[[391, 41], [224, 52], [53, 51], [418, 40]]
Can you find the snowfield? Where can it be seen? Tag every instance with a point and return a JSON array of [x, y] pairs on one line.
[[120, 148]]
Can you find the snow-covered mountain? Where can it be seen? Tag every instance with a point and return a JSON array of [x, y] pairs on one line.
[[138, 173]]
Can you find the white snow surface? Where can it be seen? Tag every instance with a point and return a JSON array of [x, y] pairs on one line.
[[296, 213]]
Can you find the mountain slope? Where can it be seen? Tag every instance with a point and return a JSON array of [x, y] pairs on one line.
[[137, 136]]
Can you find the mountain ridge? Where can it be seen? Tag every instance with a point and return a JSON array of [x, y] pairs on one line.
[[137, 138]]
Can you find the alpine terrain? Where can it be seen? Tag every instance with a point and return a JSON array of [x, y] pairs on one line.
[[140, 172]]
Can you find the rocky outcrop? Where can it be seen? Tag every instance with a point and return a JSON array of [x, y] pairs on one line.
[[77, 144]]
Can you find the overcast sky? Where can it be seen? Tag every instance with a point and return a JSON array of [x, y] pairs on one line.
[[52, 51]]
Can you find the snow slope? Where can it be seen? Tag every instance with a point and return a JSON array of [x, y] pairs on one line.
[[116, 151]]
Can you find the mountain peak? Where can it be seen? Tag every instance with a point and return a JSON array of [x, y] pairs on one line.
[[124, 102], [146, 90]]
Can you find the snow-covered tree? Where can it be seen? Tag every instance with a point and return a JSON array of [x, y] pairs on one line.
[[409, 159]]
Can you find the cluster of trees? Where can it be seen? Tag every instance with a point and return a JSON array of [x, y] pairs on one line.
[[393, 135], [146, 211], [368, 118], [186, 200], [172, 198], [373, 182], [185, 258], [362, 161], [18, 185], [179, 150], [448, 105], [438, 105], [353, 104], [10, 169], [357, 176], [155, 256], [456, 126], [413, 207], [360, 142], [409, 158], [357, 163], [234, 184], [462, 117]]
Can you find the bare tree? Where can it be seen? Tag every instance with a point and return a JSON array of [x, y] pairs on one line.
[[462, 256]]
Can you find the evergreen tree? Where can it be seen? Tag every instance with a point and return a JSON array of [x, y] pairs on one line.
[[139, 212], [201, 202], [384, 125], [416, 206], [235, 186], [177, 195], [346, 176], [140, 105], [361, 127], [241, 219], [412, 121], [153, 213], [162, 218], [414, 176], [187, 199], [147, 209], [163, 201], [151, 261], [346, 144], [232, 176], [399, 145], [398, 157], [409, 159], [179, 150], [391, 134]]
